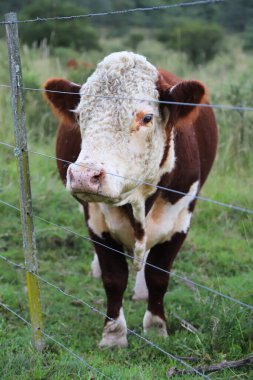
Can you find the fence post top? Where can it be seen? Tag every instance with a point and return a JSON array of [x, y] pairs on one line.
[[11, 16]]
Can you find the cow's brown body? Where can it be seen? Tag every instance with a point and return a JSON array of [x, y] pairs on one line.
[[195, 145]]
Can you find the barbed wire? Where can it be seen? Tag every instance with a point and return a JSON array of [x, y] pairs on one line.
[[57, 342], [152, 344], [16, 152], [172, 273], [139, 182], [227, 107], [112, 13]]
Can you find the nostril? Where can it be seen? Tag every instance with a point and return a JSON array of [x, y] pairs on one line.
[[83, 180], [96, 179]]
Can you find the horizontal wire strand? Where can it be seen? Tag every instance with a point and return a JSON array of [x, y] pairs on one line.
[[202, 105], [56, 342], [103, 315], [180, 277], [139, 182], [119, 12], [187, 104]]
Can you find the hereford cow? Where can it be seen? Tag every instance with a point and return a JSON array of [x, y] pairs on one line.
[[123, 143]]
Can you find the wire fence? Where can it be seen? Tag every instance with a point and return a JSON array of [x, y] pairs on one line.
[[94, 309], [138, 181], [172, 273], [227, 107], [72, 353], [119, 12], [17, 150]]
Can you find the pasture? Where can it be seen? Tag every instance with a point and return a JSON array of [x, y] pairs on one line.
[[217, 252]]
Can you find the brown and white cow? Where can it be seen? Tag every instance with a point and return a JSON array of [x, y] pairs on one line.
[[121, 138]]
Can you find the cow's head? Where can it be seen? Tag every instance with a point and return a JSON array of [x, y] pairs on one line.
[[127, 135]]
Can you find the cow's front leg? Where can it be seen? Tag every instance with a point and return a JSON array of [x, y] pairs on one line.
[[114, 270], [162, 256]]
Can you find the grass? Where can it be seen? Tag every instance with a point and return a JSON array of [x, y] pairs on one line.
[[217, 253]]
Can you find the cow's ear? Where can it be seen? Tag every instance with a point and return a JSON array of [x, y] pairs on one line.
[[190, 92], [64, 97]]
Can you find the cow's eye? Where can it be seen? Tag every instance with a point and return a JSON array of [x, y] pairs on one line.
[[147, 118]]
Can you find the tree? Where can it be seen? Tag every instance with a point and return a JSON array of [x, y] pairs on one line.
[[77, 34], [237, 15], [198, 39]]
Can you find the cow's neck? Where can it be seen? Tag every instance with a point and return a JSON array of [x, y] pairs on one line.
[[136, 210], [143, 199]]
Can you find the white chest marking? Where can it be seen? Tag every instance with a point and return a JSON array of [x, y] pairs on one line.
[[96, 221], [162, 222], [165, 219]]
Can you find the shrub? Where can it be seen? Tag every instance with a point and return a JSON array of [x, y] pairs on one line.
[[236, 136], [201, 41], [248, 39], [134, 39], [77, 34]]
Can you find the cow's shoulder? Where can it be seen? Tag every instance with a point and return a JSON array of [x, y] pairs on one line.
[[165, 218]]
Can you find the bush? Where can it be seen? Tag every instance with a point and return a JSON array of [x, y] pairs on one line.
[[248, 39], [77, 34], [236, 135], [134, 39], [199, 40]]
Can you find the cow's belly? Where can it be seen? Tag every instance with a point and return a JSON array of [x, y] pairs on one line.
[[162, 222]]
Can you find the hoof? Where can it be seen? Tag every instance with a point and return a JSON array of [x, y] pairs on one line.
[[115, 333], [154, 323], [113, 341], [140, 297]]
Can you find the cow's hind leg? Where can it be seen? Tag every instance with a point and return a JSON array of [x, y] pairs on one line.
[[162, 256], [95, 267], [114, 270]]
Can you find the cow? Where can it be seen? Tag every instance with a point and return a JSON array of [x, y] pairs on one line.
[[135, 158]]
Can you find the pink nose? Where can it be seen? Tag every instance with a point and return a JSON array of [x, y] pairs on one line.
[[85, 180]]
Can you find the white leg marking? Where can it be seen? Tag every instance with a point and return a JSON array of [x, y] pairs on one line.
[[95, 267], [115, 332], [153, 321], [140, 288]]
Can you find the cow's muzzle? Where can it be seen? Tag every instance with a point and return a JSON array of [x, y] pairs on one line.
[[82, 179]]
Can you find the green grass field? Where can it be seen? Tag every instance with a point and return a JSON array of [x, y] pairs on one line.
[[217, 253]]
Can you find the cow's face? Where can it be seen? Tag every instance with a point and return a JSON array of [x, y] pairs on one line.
[[126, 138], [121, 134]]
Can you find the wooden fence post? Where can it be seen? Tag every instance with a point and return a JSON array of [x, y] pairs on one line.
[[29, 242]]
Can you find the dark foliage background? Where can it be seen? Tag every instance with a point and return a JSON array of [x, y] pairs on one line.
[[197, 31]]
